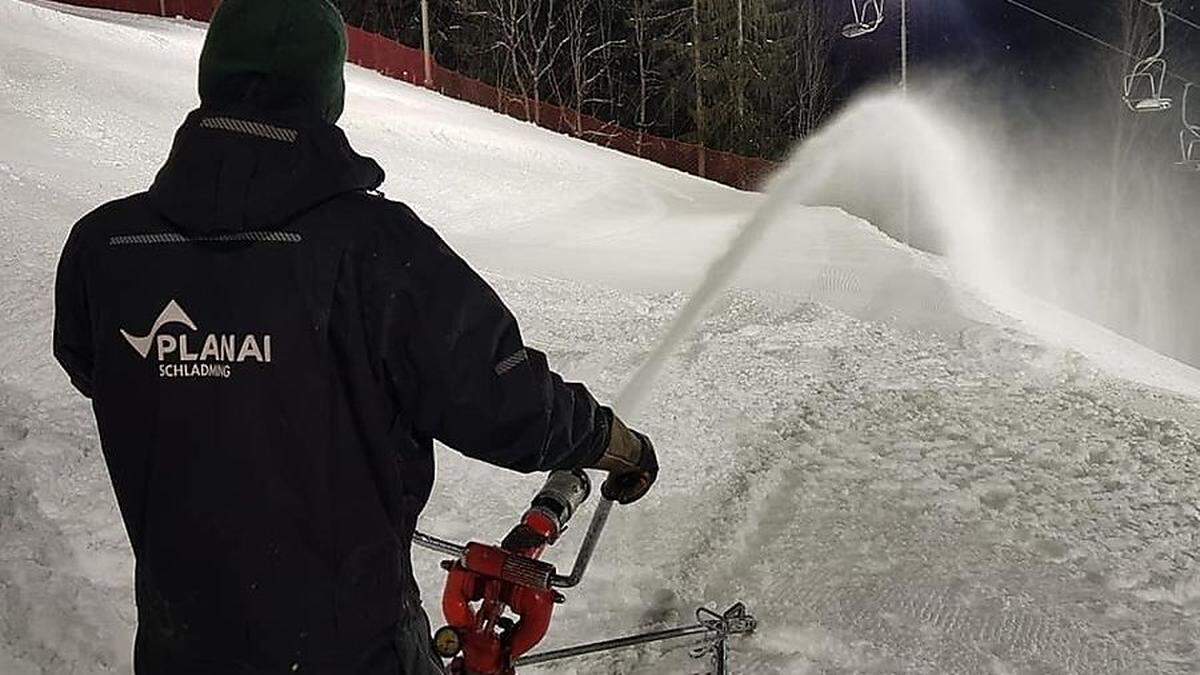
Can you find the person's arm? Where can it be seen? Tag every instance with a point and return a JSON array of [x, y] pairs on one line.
[[72, 322], [479, 388]]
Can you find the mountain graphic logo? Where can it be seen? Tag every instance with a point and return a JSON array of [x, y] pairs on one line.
[[172, 313], [190, 354]]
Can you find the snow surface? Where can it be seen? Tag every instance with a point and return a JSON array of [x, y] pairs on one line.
[[894, 475]]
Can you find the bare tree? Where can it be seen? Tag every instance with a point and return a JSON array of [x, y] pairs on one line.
[[765, 73], [740, 75], [641, 43], [661, 37], [814, 77], [585, 47], [528, 36], [698, 74]]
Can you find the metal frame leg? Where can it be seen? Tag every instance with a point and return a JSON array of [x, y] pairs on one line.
[[715, 629]]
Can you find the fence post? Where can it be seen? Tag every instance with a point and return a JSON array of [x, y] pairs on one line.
[[425, 43]]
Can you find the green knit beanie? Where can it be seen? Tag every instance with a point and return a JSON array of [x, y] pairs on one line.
[[276, 55]]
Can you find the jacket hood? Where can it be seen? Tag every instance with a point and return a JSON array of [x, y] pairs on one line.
[[236, 171]]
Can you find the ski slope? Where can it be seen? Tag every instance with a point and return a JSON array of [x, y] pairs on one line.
[[893, 474]]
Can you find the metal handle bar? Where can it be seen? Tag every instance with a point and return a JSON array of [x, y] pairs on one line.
[[586, 549], [438, 545]]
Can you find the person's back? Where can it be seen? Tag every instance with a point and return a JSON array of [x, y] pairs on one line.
[[271, 347]]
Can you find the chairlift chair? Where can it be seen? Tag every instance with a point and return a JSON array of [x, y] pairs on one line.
[[868, 15], [1189, 138], [1151, 70]]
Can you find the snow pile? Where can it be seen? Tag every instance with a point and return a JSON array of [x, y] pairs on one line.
[[891, 473]]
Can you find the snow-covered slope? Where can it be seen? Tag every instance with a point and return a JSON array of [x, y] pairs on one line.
[[892, 474]]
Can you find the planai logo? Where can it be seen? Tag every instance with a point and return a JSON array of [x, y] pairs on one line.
[[216, 355], [172, 313]]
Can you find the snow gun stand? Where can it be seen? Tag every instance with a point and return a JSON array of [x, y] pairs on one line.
[[486, 583]]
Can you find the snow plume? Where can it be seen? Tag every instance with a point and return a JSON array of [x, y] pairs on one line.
[[896, 163], [1013, 219], [1067, 213]]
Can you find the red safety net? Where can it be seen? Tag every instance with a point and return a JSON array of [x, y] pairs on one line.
[[401, 62]]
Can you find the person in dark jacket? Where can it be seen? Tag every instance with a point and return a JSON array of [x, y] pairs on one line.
[[270, 348]]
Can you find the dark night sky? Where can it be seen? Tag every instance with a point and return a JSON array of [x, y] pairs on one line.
[[994, 37]]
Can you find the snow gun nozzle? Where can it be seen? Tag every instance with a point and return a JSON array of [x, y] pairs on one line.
[[562, 495]]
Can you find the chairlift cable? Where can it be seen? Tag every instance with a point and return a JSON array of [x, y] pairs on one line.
[[1084, 34], [1182, 19], [1073, 29]]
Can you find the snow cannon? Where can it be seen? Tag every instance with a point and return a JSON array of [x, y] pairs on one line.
[[498, 600], [507, 579]]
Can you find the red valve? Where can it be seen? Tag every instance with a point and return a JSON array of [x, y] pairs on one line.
[[504, 580]]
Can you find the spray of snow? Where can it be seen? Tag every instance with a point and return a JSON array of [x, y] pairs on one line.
[[716, 280], [943, 183], [928, 178]]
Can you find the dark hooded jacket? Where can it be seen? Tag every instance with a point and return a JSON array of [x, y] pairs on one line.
[[271, 347]]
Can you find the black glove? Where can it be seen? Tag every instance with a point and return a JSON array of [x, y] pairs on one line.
[[523, 538], [630, 462]]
